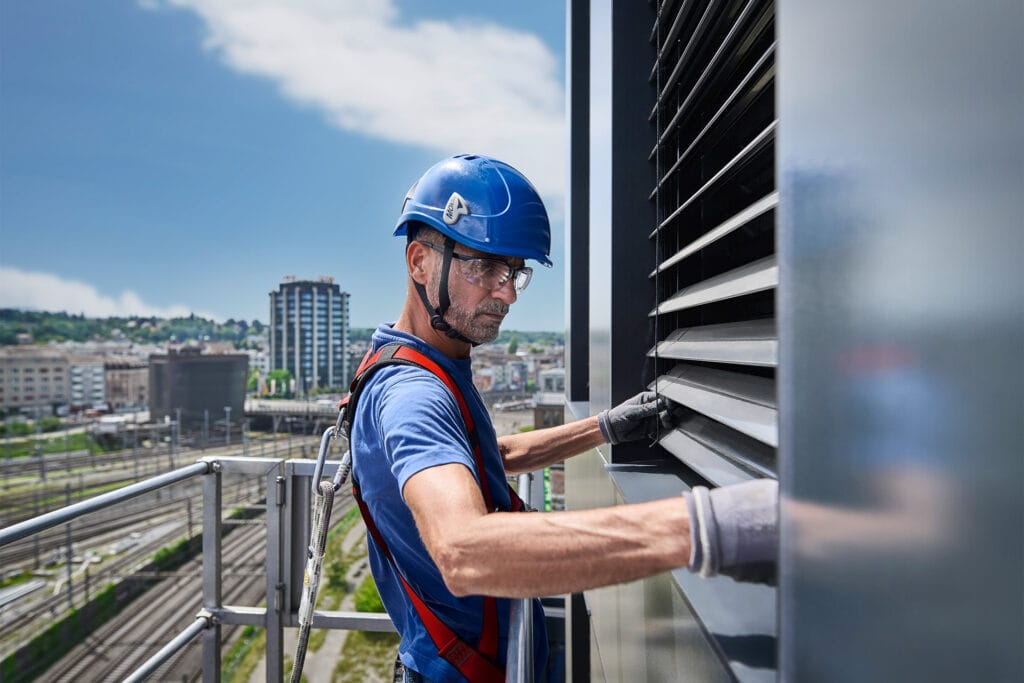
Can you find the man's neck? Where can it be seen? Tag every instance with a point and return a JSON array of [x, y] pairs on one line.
[[415, 322]]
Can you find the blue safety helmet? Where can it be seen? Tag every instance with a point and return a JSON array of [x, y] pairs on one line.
[[482, 203]]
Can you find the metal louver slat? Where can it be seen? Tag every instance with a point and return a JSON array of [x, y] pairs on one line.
[[739, 220], [744, 402], [719, 454], [753, 146], [670, 37], [753, 277], [751, 342], [769, 53], [684, 58], [716, 344], [722, 50]]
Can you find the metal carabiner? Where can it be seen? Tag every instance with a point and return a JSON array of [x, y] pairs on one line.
[[330, 434], [321, 458]]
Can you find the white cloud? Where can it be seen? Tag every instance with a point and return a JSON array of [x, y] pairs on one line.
[[48, 292], [452, 86]]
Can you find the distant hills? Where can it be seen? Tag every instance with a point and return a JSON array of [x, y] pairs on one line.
[[42, 326], [17, 326]]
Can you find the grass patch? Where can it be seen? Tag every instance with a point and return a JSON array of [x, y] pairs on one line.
[[367, 598], [15, 580], [244, 656], [366, 656], [343, 527], [79, 441]]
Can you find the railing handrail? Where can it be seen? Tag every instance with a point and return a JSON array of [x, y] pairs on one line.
[[18, 531], [203, 621]]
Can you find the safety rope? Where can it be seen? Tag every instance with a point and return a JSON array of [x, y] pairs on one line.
[[323, 503]]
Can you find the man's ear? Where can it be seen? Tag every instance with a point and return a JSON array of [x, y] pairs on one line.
[[418, 261]]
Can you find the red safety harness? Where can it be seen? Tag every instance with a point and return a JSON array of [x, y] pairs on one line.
[[479, 664]]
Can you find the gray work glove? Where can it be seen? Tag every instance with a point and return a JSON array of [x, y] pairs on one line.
[[734, 530], [637, 418]]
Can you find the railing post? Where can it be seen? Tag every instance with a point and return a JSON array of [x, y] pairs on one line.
[[212, 571], [276, 602], [519, 662]]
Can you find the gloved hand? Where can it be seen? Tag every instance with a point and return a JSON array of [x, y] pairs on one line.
[[637, 418], [734, 530]]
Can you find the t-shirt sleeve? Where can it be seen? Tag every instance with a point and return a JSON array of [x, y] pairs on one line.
[[420, 425]]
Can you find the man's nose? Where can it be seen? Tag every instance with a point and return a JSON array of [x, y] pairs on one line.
[[506, 293]]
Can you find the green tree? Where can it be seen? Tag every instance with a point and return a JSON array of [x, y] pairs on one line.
[[283, 380], [513, 345], [253, 383]]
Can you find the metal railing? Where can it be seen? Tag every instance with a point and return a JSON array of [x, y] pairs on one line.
[[287, 522]]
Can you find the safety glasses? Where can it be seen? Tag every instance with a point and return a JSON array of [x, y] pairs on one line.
[[489, 273]]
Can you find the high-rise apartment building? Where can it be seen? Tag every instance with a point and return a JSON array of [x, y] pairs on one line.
[[309, 333]]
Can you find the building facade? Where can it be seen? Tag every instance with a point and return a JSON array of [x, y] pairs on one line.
[[126, 384], [33, 380], [86, 379], [799, 221], [309, 326], [206, 388]]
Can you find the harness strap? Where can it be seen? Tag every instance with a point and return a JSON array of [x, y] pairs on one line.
[[476, 664], [470, 662]]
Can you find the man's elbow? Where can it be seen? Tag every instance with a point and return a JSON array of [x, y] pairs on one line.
[[460, 572]]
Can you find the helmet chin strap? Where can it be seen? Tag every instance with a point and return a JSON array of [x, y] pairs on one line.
[[437, 320]]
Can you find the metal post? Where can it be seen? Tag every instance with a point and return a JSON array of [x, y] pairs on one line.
[[276, 602], [212, 572], [35, 537], [174, 443], [206, 427], [227, 425], [520, 638], [245, 437], [135, 451], [67, 534], [42, 458]]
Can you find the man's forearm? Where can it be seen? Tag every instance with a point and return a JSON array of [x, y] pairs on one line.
[[530, 451], [555, 553]]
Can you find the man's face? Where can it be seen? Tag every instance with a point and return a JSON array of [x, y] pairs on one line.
[[476, 311]]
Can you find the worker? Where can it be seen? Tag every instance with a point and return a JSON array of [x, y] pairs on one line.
[[431, 474]]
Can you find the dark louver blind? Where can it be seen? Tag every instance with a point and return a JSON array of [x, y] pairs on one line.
[[715, 273]]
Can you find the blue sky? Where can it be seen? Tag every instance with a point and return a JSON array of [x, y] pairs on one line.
[[165, 156]]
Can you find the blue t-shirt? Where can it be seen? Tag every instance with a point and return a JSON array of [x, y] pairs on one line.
[[407, 421]]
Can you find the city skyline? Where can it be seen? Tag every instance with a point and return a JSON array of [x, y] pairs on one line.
[[167, 158]]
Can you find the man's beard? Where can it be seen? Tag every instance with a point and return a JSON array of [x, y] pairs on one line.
[[473, 325], [476, 325]]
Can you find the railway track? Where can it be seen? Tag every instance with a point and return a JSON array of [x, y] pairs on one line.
[[121, 645], [110, 524], [116, 649]]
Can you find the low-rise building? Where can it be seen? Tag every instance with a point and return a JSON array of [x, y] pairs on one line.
[[126, 383], [200, 385], [33, 380]]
